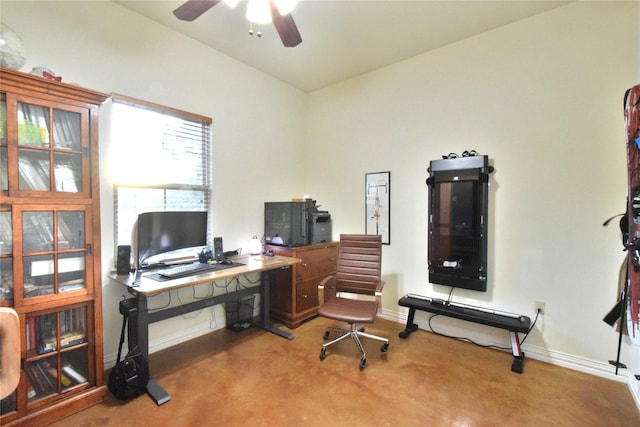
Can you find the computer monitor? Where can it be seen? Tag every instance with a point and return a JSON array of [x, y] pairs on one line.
[[156, 233]]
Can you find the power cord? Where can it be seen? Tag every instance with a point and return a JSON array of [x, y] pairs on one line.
[[464, 339], [532, 326], [469, 340]]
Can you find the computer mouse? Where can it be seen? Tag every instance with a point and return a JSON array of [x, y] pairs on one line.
[[225, 262]]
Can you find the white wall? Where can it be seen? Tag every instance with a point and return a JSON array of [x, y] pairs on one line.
[[542, 98]]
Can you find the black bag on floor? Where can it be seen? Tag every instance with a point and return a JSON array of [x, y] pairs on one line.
[[129, 377]]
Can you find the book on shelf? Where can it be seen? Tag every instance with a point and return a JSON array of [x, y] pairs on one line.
[[50, 383], [38, 384], [65, 178], [70, 339], [32, 290], [4, 177], [37, 236], [31, 333], [44, 170], [31, 392], [46, 334], [33, 124], [53, 373], [66, 130], [6, 237], [71, 229], [40, 380], [40, 226], [72, 285], [30, 177], [42, 377], [74, 374]]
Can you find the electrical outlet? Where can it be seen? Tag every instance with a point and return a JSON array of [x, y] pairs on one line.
[[540, 307]]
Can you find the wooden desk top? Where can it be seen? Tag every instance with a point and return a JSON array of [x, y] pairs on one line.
[[252, 264]]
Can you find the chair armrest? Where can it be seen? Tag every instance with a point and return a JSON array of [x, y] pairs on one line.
[[379, 295], [379, 288], [330, 283]]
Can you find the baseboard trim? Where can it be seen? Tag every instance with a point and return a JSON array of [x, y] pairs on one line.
[[489, 337], [167, 341]]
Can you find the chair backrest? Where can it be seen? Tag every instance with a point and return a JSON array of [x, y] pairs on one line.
[[9, 351], [359, 263]]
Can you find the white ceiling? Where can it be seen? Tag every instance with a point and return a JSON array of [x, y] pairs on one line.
[[342, 38]]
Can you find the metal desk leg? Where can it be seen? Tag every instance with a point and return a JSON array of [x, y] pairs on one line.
[[138, 331], [265, 285]]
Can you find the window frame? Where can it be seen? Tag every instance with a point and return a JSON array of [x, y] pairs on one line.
[[207, 162]]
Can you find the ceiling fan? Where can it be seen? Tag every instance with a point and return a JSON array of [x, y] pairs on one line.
[[284, 24]]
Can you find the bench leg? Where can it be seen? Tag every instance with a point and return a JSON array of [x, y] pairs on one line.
[[518, 355], [411, 327]]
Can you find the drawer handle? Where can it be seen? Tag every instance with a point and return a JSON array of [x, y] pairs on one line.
[[304, 265]]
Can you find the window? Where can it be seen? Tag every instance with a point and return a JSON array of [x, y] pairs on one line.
[[161, 161]]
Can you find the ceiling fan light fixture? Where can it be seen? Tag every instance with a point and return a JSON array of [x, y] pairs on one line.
[[259, 11], [285, 6], [231, 3]]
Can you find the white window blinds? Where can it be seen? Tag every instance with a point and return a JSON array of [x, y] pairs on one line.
[[161, 161]]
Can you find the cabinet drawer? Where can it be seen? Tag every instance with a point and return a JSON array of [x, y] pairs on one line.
[[317, 262], [280, 250], [307, 295]]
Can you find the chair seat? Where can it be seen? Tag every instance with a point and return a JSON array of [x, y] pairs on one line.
[[349, 310]]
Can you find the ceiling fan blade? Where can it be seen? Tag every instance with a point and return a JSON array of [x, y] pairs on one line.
[[286, 27], [193, 9]]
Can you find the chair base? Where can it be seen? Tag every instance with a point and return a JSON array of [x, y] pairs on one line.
[[355, 333]]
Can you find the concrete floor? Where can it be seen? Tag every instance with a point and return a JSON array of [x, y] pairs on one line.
[[254, 378]]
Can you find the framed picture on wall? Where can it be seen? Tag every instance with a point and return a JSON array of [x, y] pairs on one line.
[[378, 206]]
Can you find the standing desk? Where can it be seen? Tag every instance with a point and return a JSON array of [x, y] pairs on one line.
[[139, 316]]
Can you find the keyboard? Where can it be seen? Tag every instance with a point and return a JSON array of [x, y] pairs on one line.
[[186, 270]]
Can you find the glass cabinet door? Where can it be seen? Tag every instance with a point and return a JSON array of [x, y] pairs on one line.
[[6, 258], [4, 177], [56, 352], [54, 250], [51, 151], [49, 272]]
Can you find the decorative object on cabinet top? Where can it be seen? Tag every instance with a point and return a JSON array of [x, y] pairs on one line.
[[12, 53], [43, 71], [16, 80]]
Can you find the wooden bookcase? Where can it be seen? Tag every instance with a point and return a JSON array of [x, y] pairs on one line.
[[294, 296], [50, 270]]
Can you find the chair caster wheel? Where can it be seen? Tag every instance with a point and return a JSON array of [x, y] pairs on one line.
[[385, 347], [363, 363], [323, 354], [326, 335]]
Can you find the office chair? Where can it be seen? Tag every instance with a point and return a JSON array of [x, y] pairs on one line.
[[358, 272], [9, 351]]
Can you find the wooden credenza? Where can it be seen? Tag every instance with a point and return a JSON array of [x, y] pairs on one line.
[[294, 295]]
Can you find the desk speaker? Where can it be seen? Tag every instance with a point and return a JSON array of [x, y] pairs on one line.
[[218, 252], [123, 260]]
